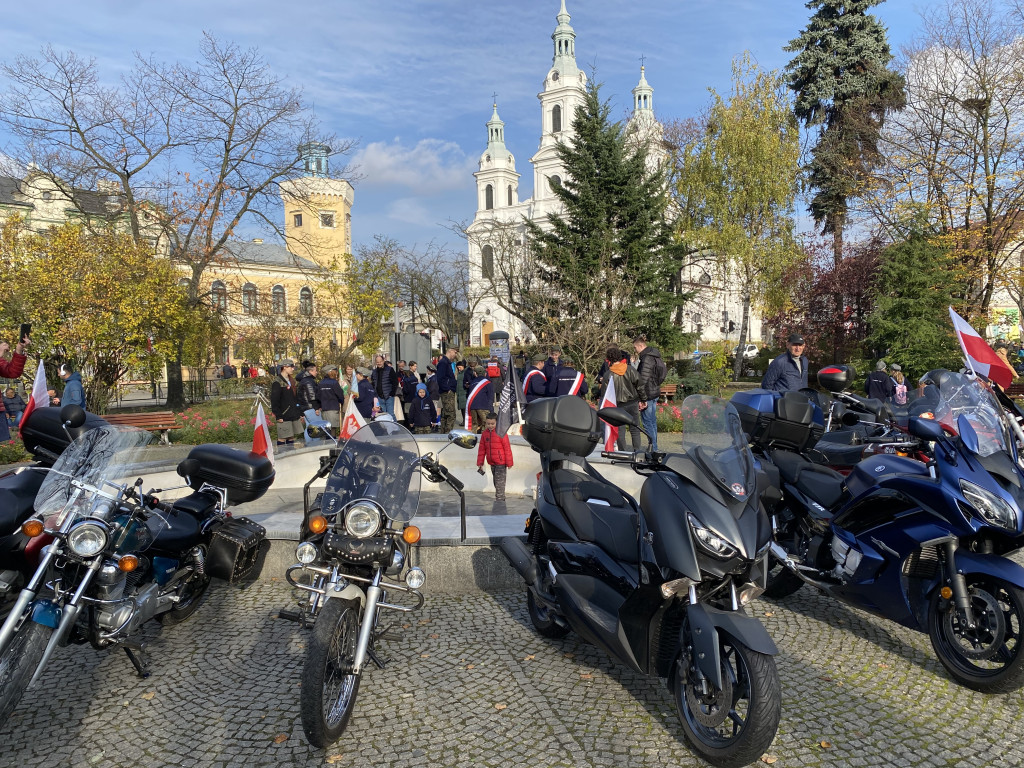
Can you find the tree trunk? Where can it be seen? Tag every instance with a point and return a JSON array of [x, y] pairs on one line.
[[738, 362], [840, 308], [175, 384]]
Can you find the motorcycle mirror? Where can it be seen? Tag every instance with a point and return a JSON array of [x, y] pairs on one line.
[[926, 429], [73, 416], [188, 467], [850, 418], [617, 417], [463, 438], [967, 433]]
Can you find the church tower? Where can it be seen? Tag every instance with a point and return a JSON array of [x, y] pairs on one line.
[[643, 127], [497, 183], [317, 208]]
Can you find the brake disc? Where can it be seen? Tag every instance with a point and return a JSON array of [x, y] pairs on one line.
[[988, 635]]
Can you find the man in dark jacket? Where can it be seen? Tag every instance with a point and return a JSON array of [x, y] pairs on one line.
[[74, 392], [535, 383], [479, 400], [447, 380], [551, 366], [569, 381], [878, 384], [384, 380], [306, 388], [788, 371], [649, 387]]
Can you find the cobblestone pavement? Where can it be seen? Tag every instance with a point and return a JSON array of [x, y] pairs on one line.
[[472, 685]]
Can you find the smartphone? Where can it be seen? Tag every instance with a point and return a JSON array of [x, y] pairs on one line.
[[26, 331]]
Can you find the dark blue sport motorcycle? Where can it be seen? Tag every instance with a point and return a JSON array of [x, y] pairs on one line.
[[921, 543]]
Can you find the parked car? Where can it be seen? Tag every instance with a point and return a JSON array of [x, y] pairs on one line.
[[749, 351]]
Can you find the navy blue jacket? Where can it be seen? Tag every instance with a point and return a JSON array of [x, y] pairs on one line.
[[365, 398], [551, 369], [564, 380], [330, 393], [409, 382], [446, 378], [422, 411], [783, 376], [536, 385], [484, 400]]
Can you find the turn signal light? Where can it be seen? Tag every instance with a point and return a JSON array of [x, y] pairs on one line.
[[946, 593], [318, 524], [411, 534], [32, 528], [128, 563]]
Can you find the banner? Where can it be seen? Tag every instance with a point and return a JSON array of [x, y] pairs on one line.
[[611, 434]]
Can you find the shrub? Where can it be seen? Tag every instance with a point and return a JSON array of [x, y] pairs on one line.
[[13, 452]]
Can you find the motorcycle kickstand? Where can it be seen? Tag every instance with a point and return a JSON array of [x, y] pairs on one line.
[[137, 657], [381, 663]]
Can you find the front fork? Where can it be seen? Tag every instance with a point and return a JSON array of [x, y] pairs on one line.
[[373, 596], [958, 584]]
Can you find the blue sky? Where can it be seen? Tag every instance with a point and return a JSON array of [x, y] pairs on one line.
[[412, 79]]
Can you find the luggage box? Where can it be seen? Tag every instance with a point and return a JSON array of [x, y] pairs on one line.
[[786, 420], [244, 475], [836, 378], [566, 424]]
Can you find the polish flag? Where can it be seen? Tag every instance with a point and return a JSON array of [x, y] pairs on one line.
[[981, 358], [261, 444], [611, 434], [352, 422], [37, 399]]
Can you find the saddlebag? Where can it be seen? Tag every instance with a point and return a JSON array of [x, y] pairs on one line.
[[237, 550]]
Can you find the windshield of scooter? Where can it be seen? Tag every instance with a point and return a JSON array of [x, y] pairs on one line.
[[90, 472], [714, 437], [380, 462], [956, 395]]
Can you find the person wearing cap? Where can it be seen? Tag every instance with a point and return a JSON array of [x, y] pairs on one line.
[[331, 395], [535, 383], [551, 365], [788, 371], [878, 384], [446, 383], [365, 396], [284, 403], [306, 387]]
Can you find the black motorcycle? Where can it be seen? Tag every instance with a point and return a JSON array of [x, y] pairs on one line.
[[659, 585], [120, 557]]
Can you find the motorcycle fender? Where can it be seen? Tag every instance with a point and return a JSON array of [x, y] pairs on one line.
[[990, 565], [350, 592], [45, 613], [706, 622]]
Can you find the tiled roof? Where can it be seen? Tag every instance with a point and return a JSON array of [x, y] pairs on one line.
[[269, 254], [10, 186]]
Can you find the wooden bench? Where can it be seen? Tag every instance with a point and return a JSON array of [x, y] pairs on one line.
[[153, 421], [668, 392], [1016, 390]]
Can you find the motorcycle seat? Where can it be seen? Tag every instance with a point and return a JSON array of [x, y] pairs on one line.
[[837, 454], [178, 533], [17, 498], [824, 485], [598, 513]]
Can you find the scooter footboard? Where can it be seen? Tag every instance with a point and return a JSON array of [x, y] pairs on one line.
[[706, 622]]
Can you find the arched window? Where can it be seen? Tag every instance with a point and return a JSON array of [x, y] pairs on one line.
[[278, 304], [487, 262], [556, 119], [488, 197], [250, 300], [219, 296], [510, 194], [306, 301], [556, 181]]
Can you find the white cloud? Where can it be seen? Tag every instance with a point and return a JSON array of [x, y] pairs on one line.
[[432, 165]]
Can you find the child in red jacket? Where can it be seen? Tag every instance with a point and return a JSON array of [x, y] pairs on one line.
[[496, 449]]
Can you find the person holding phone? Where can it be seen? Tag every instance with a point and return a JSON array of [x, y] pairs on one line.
[[11, 369]]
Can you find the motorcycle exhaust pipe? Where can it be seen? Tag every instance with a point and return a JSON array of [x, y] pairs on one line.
[[520, 557]]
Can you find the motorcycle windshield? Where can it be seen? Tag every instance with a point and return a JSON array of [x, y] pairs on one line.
[[959, 395], [714, 437], [91, 470], [379, 462]]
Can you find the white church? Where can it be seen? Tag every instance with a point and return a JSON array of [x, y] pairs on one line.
[[497, 233]]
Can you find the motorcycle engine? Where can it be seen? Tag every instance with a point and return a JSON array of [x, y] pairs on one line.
[[109, 583], [847, 559]]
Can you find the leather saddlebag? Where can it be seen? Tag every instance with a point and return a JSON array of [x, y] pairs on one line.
[[237, 550]]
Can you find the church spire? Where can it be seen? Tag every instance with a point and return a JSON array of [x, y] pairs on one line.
[[496, 136], [643, 97], [564, 38]]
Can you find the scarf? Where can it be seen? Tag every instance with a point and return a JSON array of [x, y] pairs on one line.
[[619, 368]]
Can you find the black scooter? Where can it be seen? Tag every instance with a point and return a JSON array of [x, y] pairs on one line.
[[659, 585]]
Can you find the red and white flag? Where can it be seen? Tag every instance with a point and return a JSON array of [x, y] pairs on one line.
[[611, 434], [981, 358], [470, 401], [352, 422], [39, 398], [261, 443]]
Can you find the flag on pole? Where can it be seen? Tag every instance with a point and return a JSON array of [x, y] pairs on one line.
[[611, 434], [261, 444], [483, 382], [509, 403], [981, 358], [352, 422], [39, 398]]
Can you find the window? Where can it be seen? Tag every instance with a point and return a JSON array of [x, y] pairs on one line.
[[556, 181], [487, 262], [250, 303], [327, 220], [47, 195], [278, 304], [510, 194], [306, 301], [488, 197], [280, 349], [297, 219], [219, 296], [556, 119]]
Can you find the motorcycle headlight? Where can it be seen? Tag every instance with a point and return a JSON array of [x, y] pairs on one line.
[[415, 578], [362, 520], [990, 507], [87, 539], [710, 541], [306, 553]]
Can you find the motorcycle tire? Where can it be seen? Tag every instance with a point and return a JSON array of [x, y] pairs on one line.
[[328, 693], [990, 657], [18, 664], [192, 596], [735, 726], [542, 619]]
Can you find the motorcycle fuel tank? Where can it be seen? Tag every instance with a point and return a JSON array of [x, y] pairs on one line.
[[866, 475]]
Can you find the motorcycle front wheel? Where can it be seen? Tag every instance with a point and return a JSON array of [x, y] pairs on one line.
[[733, 726], [19, 662], [329, 687], [988, 657]]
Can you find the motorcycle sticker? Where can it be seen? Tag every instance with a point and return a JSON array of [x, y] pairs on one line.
[[738, 489]]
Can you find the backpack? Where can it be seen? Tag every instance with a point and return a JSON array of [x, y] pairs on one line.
[[900, 398], [493, 371], [660, 371]]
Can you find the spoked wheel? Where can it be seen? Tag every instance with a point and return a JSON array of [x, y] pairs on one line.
[[733, 726], [18, 664], [987, 657], [193, 590], [329, 687]]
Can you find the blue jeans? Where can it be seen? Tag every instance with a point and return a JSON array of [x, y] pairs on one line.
[[649, 419], [387, 404]]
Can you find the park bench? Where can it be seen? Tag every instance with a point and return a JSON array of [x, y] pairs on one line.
[[153, 421], [667, 392], [1016, 390]]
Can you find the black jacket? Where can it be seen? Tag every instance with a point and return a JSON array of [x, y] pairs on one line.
[[384, 381], [306, 394], [282, 400], [648, 387]]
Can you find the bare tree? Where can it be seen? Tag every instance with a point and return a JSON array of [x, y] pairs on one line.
[[435, 283]]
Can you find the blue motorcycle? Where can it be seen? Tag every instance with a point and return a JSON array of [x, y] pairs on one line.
[[922, 543]]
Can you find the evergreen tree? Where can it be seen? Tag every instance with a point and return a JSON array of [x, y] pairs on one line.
[[842, 82], [609, 259]]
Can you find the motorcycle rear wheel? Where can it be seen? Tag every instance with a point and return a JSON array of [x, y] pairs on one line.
[[735, 726], [18, 664], [192, 596], [990, 657], [328, 686]]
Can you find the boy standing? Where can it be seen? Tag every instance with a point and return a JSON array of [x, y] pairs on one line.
[[498, 452], [422, 413]]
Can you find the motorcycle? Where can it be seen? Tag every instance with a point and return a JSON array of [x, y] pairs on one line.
[[920, 543], [659, 585], [353, 550], [120, 557]]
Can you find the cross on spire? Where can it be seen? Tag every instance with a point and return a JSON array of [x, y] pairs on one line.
[[495, 97], [642, 60]]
